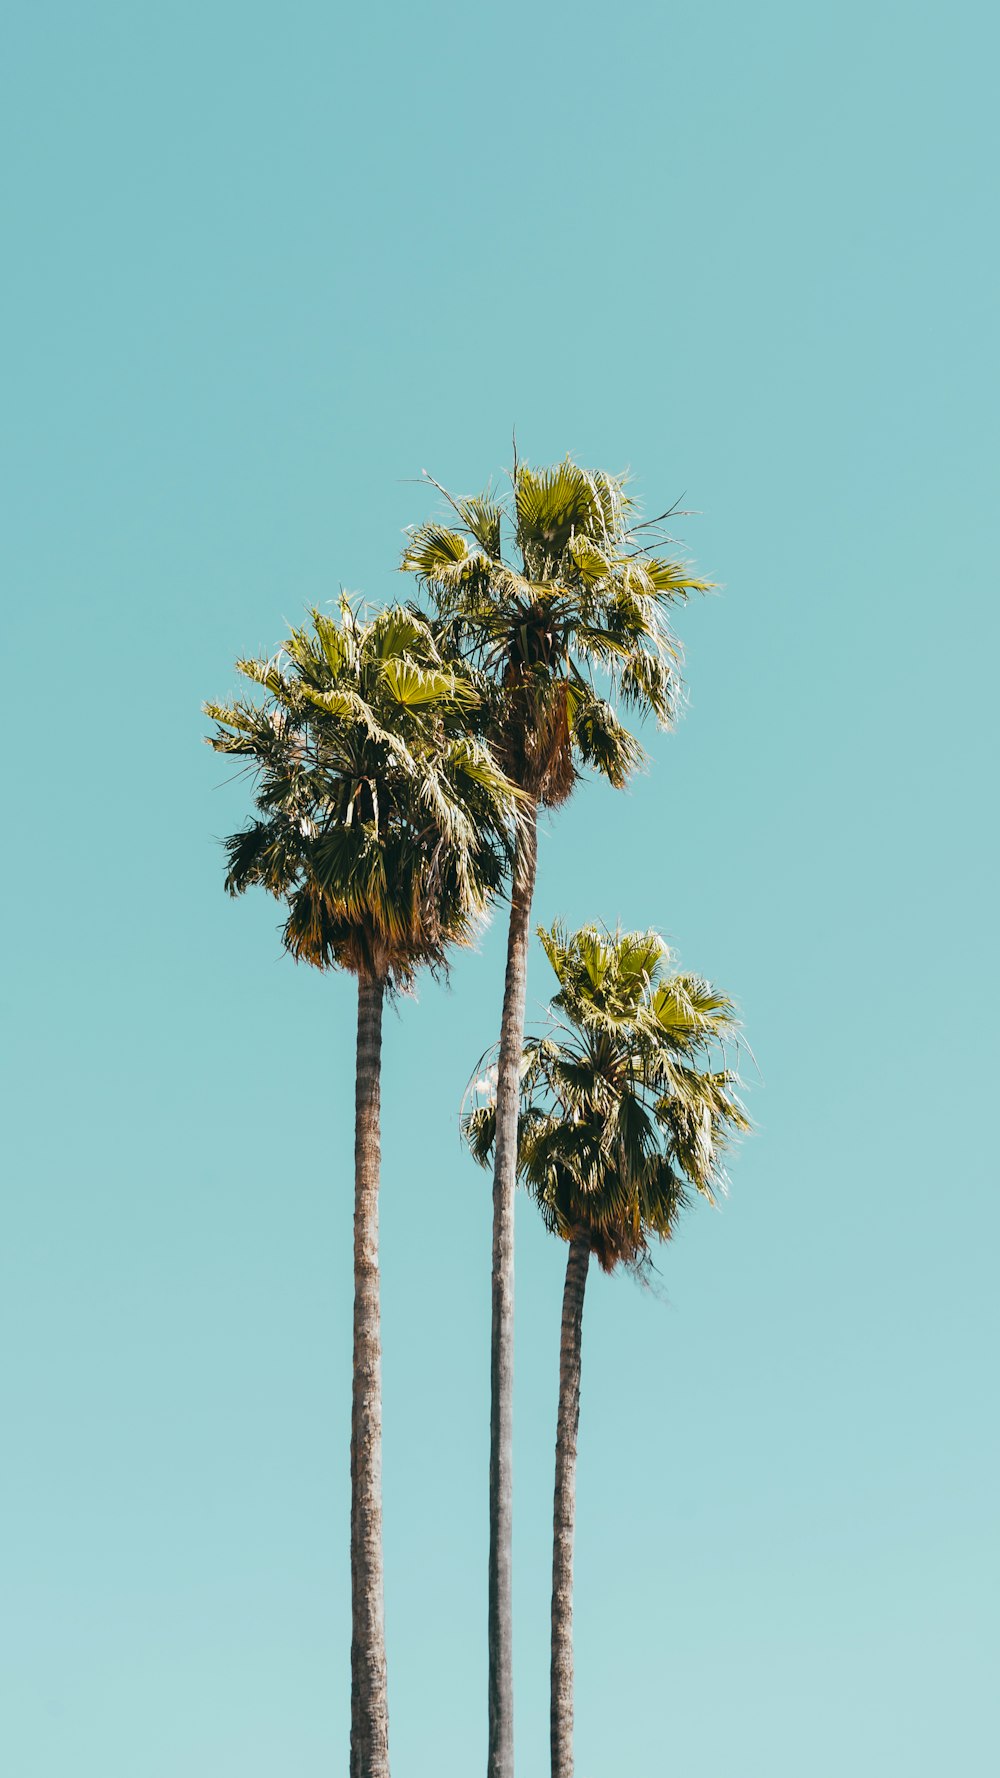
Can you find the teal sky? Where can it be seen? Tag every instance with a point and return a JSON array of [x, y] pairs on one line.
[[263, 266]]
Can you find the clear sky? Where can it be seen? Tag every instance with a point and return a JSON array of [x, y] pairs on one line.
[[263, 265]]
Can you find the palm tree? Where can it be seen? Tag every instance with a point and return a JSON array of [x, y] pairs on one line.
[[383, 824], [621, 1113], [554, 592]]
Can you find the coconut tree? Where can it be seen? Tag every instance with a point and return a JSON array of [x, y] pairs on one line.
[[560, 594], [382, 824], [625, 1106]]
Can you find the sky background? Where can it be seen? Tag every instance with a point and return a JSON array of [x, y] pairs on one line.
[[263, 265]]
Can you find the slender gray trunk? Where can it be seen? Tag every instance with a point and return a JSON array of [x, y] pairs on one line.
[[500, 1760], [369, 1704], [564, 1510]]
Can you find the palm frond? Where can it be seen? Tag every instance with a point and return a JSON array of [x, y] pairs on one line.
[[479, 1127], [413, 685], [443, 559], [268, 674], [556, 504], [649, 682], [483, 518], [673, 580]]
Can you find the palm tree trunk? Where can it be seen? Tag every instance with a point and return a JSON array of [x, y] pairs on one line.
[[369, 1704], [564, 1511], [500, 1761]]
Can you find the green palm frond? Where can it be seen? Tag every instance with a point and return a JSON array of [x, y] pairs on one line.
[[672, 580], [233, 716], [556, 504], [639, 957], [267, 674], [556, 942], [479, 1127], [605, 978], [260, 853], [395, 633], [689, 1011], [237, 728], [649, 682], [335, 643], [483, 518], [442, 557], [413, 685], [346, 706], [593, 566], [604, 742]]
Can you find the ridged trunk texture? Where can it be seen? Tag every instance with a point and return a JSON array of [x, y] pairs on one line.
[[500, 1760], [369, 1703], [564, 1511]]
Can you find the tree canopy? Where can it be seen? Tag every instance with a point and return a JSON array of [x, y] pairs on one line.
[[627, 1103], [559, 591], [383, 821]]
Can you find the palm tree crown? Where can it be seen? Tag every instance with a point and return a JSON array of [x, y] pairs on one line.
[[622, 1109], [383, 821], [545, 588]]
